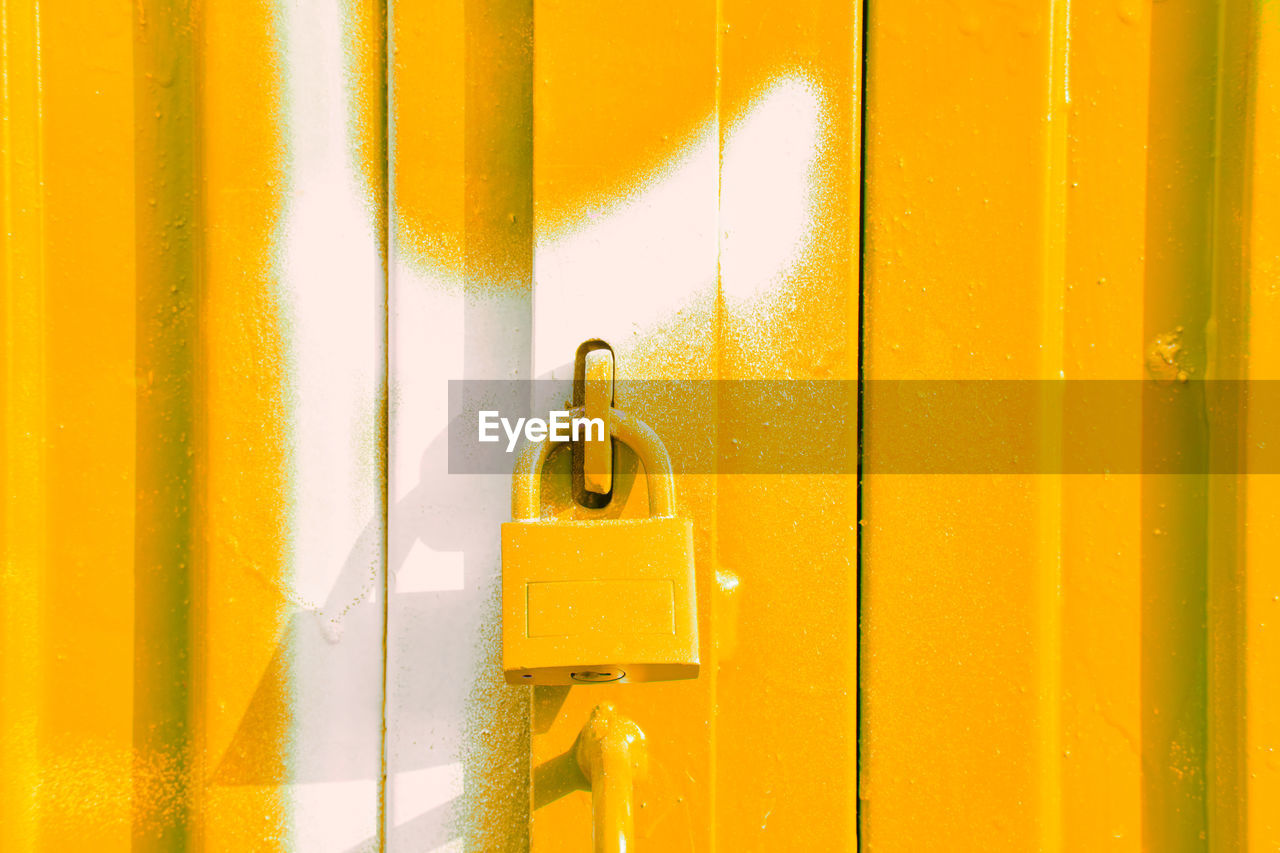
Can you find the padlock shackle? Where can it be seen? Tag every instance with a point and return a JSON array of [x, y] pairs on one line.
[[526, 481]]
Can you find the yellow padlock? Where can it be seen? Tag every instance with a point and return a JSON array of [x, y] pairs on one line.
[[598, 600]]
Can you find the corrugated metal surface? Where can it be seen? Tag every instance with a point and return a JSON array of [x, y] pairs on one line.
[[194, 404], [246, 605], [1068, 191]]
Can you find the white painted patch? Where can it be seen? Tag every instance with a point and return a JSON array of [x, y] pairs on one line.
[[455, 846], [443, 556], [334, 289], [333, 292], [425, 570], [417, 792], [630, 266], [334, 815], [767, 188]]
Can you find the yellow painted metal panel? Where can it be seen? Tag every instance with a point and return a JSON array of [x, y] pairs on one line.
[[963, 279], [1064, 191], [1101, 549], [243, 701], [147, 695], [1260, 768], [68, 571], [112, 746], [24, 429], [786, 698]]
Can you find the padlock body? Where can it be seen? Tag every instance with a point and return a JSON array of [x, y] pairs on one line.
[[598, 601]]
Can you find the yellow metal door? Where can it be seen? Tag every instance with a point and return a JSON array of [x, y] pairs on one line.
[[562, 174], [248, 603]]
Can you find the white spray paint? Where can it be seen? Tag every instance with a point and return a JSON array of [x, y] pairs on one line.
[[333, 290]]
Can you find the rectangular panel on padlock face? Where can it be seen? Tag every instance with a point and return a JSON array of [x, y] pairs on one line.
[[613, 607], [598, 601]]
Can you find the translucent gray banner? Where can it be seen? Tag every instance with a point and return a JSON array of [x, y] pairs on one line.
[[902, 427]]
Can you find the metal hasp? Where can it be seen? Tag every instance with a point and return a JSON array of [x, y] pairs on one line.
[[612, 755], [598, 600], [593, 390], [597, 462]]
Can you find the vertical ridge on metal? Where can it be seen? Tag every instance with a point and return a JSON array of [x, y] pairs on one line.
[[167, 586], [23, 431], [1244, 509]]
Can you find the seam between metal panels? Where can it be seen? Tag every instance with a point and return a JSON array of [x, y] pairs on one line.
[[383, 94], [718, 324], [384, 193], [863, 65]]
